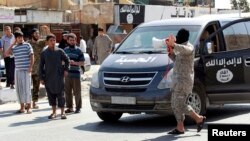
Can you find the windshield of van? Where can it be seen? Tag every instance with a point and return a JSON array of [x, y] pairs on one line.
[[152, 39]]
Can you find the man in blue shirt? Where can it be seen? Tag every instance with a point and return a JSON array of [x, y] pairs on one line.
[[72, 81], [0, 58], [6, 41]]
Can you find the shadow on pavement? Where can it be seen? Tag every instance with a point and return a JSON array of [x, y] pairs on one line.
[[227, 111], [161, 124], [172, 137], [133, 124], [4, 114], [37, 120]]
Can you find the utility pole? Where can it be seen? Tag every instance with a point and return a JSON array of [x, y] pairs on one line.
[[210, 12], [238, 5], [59, 4]]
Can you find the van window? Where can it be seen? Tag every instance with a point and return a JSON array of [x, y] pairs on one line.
[[248, 28], [236, 37], [214, 40], [143, 38]]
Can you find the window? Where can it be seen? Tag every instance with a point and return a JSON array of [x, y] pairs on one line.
[[236, 37], [248, 28], [241, 35], [143, 37]]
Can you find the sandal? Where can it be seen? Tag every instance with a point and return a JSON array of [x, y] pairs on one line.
[[29, 111], [26, 107], [175, 132], [19, 112], [63, 116], [200, 125], [69, 111], [35, 107], [52, 116]]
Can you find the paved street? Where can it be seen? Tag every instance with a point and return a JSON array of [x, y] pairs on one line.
[[87, 126]]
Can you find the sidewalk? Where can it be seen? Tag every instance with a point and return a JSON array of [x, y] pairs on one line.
[[9, 95]]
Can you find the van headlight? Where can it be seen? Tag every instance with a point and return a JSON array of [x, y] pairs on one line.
[[166, 82], [95, 80]]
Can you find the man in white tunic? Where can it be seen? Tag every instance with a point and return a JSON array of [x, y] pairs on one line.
[[102, 47]]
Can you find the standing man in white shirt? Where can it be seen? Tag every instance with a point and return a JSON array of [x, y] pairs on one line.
[[83, 45], [6, 41], [83, 48], [102, 46]]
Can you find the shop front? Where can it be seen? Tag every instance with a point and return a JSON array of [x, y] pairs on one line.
[[7, 17]]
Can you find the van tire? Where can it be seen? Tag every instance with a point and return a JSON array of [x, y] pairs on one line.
[[109, 116], [198, 92]]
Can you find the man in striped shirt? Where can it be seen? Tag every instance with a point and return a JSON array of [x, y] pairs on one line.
[[72, 81], [24, 60]]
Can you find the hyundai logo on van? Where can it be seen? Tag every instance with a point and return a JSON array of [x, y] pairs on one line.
[[125, 79]]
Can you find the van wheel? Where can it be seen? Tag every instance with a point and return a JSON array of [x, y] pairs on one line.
[[197, 100], [109, 116]]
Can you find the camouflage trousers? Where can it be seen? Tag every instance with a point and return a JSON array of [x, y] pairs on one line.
[[36, 86], [180, 106]]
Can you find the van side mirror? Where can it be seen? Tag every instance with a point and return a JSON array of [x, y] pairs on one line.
[[209, 47]]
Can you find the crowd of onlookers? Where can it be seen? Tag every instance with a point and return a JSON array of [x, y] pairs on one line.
[[58, 67]]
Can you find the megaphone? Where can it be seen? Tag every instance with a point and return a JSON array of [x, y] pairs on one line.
[[158, 43]]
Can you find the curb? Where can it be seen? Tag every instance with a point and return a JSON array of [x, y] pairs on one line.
[[8, 95]]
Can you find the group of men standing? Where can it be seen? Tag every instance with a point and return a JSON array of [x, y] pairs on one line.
[[56, 67], [40, 59]]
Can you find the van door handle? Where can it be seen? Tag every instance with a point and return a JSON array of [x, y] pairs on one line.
[[247, 62]]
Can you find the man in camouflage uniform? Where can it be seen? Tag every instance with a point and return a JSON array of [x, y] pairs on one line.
[[183, 78], [37, 45]]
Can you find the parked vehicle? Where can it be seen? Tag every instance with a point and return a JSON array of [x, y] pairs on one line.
[[136, 78], [2, 71], [87, 62]]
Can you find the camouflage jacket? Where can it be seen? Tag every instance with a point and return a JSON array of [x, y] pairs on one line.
[[37, 48], [183, 71]]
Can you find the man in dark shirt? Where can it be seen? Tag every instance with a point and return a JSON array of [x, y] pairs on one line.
[[63, 43], [52, 73], [72, 81]]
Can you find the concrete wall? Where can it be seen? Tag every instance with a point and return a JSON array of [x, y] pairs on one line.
[[27, 3], [46, 4], [167, 12], [3, 2], [97, 14], [7, 15], [36, 16]]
